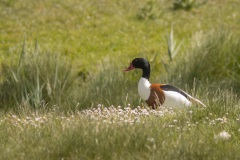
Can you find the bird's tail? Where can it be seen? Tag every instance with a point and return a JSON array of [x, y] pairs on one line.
[[194, 100]]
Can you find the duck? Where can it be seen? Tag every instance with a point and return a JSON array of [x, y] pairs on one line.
[[164, 95]]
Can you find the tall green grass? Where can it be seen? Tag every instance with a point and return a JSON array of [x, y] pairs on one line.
[[37, 79], [109, 86], [41, 78], [214, 62]]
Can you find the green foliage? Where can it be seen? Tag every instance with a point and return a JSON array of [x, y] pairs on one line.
[[38, 79], [43, 80], [187, 4], [149, 11], [84, 30], [173, 48], [7, 3], [109, 86], [215, 62]]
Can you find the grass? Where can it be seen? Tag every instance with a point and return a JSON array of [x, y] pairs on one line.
[[37, 79], [215, 62], [84, 31], [64, 94], [187, 4], [117, 133]]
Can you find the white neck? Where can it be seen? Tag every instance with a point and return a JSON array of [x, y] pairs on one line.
[[144, 88]]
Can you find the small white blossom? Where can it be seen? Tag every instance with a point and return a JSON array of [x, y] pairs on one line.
[[223, 136]]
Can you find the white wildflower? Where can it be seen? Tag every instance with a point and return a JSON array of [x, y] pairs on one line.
[[219, 119], [223, 136], [150, 139], [37, 118]]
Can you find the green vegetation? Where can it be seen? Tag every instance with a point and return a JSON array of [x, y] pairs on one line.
[[187, 4], [37, 79], [215, 62], [64, 94]]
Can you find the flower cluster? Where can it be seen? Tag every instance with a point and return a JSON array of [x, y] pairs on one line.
[[222, 136], [99, 114], [35, 120], [124, 115], [116, 115]]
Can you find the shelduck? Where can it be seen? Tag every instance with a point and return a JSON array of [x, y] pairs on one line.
[[159, 94]]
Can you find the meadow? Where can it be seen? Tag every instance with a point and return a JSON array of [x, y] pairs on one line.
[[64, 94]]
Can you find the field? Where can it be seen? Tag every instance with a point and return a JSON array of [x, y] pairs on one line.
[[64, 94]]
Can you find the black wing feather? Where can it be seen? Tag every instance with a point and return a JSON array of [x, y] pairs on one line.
[[168, 87]]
